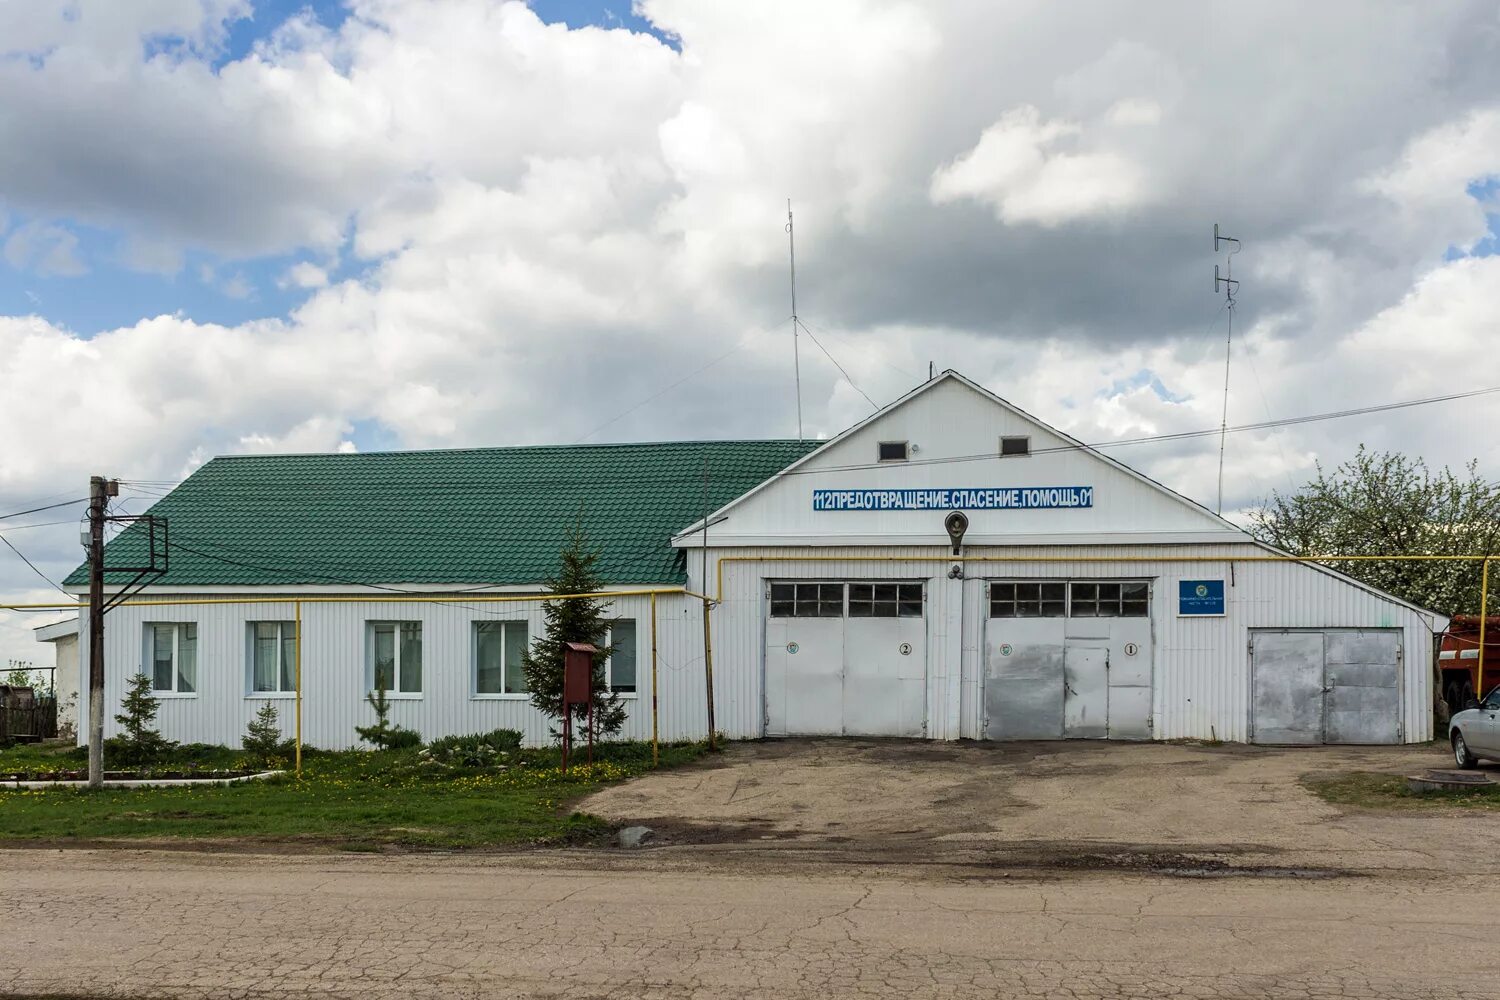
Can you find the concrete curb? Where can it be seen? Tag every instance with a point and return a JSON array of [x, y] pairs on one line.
[[144, 782]]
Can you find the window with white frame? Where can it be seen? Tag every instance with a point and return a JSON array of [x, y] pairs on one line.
[[498, 647], [620, 668], [395, 659], [273, 657], [171, 658]]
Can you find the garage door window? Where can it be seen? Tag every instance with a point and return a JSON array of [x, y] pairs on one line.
[[807, 600], [885, 600], [1043, 599], [1109, 600]]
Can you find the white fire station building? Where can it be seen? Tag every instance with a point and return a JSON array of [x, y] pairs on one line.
[[950, 568]]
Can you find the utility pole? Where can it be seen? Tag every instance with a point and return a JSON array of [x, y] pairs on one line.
[[1230, 286], [99, 492], [791, 246], [708, 645]]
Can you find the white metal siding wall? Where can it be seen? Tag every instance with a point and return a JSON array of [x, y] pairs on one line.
[[334, 669], [1202, 666], [1202, 679]]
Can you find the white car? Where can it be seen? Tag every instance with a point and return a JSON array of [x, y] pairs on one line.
[[1475, 732]]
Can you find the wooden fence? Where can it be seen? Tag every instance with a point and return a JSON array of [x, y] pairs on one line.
[[30, 723]]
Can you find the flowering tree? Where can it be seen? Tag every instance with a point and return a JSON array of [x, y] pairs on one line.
[[1389, 504]]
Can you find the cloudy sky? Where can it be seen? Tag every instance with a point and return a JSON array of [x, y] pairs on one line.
[[231, 226]]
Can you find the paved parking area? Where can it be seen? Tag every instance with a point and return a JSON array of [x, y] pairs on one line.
[[1074, 805]]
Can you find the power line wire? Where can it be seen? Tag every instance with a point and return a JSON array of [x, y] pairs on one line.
[[338, 492], [739, 345], [50, 506], [39, 524], [847, 377], [1076, 446], [1175, 436], [1183, 435], [458, 603], [53, 583], [295, 567], [916, 379]]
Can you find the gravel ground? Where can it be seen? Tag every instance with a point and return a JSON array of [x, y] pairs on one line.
[[1068, 805]]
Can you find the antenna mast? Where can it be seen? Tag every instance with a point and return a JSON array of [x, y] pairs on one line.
[[1230, 287], [791, 245]]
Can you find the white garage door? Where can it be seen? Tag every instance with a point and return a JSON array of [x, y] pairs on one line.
[[846, 658], [1325, 685]]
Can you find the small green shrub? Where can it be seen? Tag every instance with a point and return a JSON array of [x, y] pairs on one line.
[[383, 735], [474, 750], [263, 740], [399, 738]]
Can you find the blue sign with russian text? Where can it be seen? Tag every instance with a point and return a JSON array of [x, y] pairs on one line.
[[1200, 597], [973, 498]]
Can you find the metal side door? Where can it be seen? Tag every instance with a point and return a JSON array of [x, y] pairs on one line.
[[1085, 692], [1023, 679], [1131, 658], [1286, 671], [1362, 681]]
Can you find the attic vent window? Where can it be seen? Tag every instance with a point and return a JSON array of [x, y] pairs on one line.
[[893, 451], [1015, 446]]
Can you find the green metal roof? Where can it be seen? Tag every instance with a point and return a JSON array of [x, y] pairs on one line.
[[468, 516]]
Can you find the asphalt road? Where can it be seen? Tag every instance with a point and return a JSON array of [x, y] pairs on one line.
[[826, 868], [142, 924]]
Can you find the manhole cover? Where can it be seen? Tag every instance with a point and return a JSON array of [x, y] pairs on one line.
[[1447, 781], [1465, 777]]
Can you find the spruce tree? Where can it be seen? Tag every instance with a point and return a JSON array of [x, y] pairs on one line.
[[580, 619], [263, 740], [140, 743], [383, 735]]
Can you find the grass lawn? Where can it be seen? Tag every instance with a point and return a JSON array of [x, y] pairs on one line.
[[354, 800], [1367, 790]]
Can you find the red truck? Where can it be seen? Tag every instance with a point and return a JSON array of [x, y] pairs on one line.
[[1459, 660]]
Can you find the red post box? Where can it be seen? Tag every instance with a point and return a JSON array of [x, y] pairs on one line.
[[578, 689], [578, 673]]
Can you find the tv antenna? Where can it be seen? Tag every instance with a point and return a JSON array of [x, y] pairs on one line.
[[1230, 286], [791, 245]]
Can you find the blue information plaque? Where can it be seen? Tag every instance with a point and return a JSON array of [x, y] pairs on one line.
[[1200, 598]]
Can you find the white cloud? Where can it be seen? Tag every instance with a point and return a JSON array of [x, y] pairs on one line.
[[111, 29], [539, 214], [1134, 111], [1429, 183], [45, 250], [151, 256], [238, 287], [304, 274], [1018, 170]]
